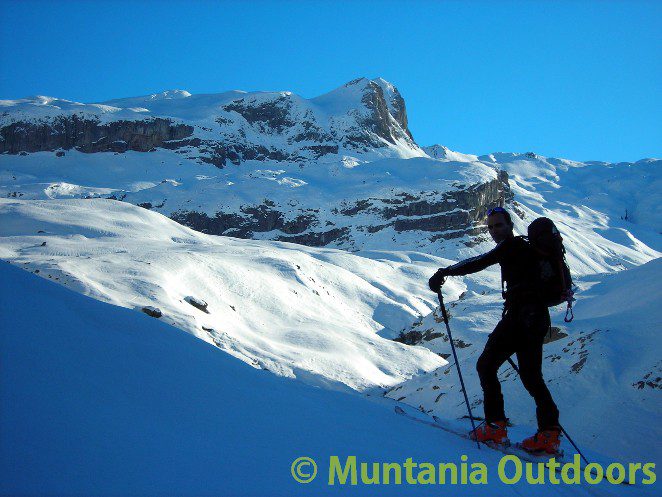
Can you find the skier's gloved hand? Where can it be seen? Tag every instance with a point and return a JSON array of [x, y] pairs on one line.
[[568, 295], [437, 280]]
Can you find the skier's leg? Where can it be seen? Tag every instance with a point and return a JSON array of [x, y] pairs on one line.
[[533, 323], [499, 347]]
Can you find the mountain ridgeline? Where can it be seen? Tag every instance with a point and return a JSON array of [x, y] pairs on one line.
[[231, 127], [339, 170]]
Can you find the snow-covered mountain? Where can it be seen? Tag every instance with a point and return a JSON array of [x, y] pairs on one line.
[[366, 118], [372, 216], [386, 193], [252, 165]]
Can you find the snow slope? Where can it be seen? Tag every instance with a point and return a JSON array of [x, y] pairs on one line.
[[603, 369], [587, 201], [609, 214], [325, 316], [105, 401], [301, 312]]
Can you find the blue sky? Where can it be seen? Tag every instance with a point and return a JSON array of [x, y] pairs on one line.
[[568, 79]]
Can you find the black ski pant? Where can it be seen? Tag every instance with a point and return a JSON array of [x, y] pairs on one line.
[[521, 331]]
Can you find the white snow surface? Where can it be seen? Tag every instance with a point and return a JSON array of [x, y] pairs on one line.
[[313, 314], [338, 113], [588, 202], [604, 370], [105, 401], [446, 154]]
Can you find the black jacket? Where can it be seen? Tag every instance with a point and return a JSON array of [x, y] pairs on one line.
[[519, 268]]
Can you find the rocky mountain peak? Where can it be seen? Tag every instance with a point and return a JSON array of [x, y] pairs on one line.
[[384, 103], [363, 118]]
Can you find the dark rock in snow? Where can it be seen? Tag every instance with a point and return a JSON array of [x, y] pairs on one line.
[[152, 311], [197, 303], [89, 135]]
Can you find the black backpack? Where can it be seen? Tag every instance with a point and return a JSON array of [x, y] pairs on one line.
[[555, 281]]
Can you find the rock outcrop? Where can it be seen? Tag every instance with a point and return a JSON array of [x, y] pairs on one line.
[[238, 127], [447, 215], [355, 125], [90, 135]]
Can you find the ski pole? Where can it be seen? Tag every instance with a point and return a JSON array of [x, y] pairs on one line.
[[457, 364], [514, 366]]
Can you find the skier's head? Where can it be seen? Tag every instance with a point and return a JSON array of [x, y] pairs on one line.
[[499, 224]]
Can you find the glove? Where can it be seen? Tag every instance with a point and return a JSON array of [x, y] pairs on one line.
[[437, 280], [568, 295]]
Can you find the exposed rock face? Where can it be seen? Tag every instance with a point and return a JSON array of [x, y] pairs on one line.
[[251, 219], [362, 121], [399, 111], [378, 122], [271, 116], [415, 337], [446, 215], [257, 126], [433, 212], [88, 135], [395, 103], [154, 312], [197, 303], [386, 117]]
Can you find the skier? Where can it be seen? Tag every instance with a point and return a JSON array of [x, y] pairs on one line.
[[521, 331]]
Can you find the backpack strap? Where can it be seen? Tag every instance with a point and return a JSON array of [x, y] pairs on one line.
[[503, 295], [564, 283]]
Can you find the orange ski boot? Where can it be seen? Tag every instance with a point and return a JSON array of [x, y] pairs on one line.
[[545, 441], [491, 433]]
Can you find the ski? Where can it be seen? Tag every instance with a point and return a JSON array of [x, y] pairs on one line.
[[503, 448], [515, 450]]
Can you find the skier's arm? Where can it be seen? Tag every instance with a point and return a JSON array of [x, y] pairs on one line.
[[467, 266], [475, 264]]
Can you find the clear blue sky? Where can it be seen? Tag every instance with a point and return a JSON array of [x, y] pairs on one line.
[[568, 79]]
